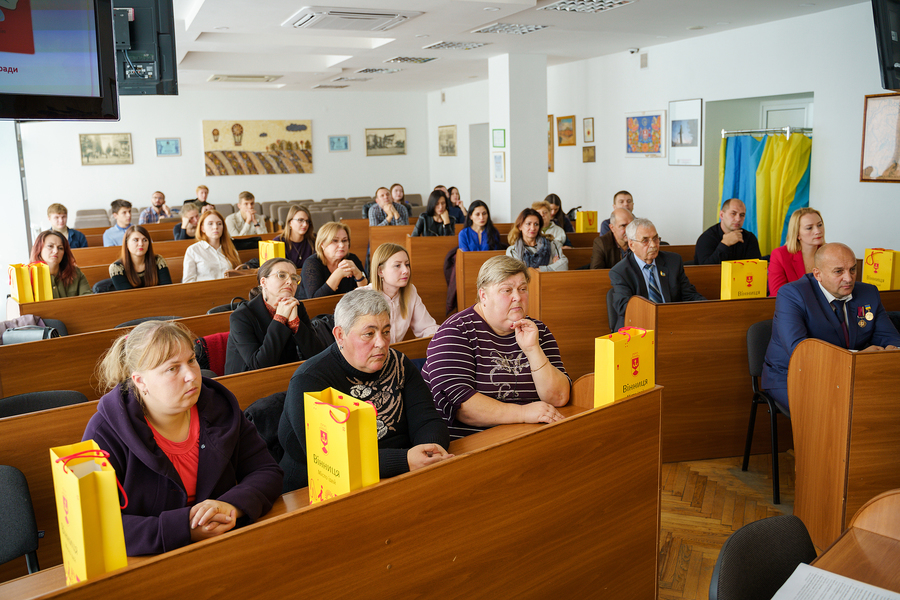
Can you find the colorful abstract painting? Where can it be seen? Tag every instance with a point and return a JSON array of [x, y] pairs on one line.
[[257, 147], [645, 134]]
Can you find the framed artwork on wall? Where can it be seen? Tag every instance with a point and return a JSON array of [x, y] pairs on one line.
[[106, 149], [499, 166], [565, 130], [168, 146], [685, 132], [257, 147], [339, 143], [447, 140], [550, 143], [588, 154], [386, 142], [881, 139], [498, 138], [589, 130], [645, 134]]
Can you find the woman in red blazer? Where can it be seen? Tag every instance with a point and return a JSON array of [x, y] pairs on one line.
[[806, 233]]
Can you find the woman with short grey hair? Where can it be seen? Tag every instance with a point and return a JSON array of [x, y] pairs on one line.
[[411, 433]]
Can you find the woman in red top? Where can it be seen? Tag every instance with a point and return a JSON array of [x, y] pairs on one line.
[[805, 235]]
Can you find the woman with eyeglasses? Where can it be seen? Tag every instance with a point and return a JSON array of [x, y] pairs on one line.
[[298, 235], [333, 269], [273, 328]]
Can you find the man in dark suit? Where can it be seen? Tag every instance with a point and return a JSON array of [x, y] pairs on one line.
[[657, 276], [612, 247], [828, 305]]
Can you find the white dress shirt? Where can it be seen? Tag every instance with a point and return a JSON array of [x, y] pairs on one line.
[[238, 226], [202, 262]]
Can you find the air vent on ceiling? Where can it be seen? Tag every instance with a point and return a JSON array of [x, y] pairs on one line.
[[352, 79], [512, 28], [371, 71], [586, 6], [325, 86], [455, 45], [244, 78], [410, 60], [348, 19]]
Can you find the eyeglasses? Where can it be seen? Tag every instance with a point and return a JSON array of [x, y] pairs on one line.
[[646, 241], [284, 276], [344, 242], [300, 221]]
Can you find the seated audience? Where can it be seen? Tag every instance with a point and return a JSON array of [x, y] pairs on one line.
[[490, 364], [621, 199], [333, 269], [390, 264], [298, 237], [121, 212], [828, 305], [387, 212], [528, 244], [59, 215], [558, 214], [213, 254], [454, 211], [479, 232], [206, 206], [245, 221], [187, 229], [273, 327], [727, 240], [398, 195], [155, 421], [435, 220], [411, 433], [156, 211], [550, 228], [457, 203], [805, 235], [612, 247], [139, 266], [657, 276], [52, 248], [202, 194]]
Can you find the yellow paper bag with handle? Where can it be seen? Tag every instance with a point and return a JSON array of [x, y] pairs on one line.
[[41, 285], [585, 221], [744, 279], [88, 510], [341, 444], [624, 364], [881, 268], [20, 283], [269, 249]]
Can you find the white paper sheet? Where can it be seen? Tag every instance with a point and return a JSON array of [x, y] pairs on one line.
[[810, 583]]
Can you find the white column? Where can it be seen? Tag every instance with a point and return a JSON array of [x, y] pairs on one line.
[[13, 242]]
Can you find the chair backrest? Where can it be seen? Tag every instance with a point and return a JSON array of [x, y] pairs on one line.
[[758, 337], [58, 325], [758, 558], [18, 527], [611, 314], [417, 210], [215, 345], [21, 404], [103, 286], [346, 213], [134, 322], [265, 414], [414, 199]]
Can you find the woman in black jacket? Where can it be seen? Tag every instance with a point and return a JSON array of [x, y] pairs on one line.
[[435, 220], [273, 328]]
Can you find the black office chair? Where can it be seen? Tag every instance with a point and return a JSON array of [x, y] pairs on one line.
[[235, 302], [758, 558], [611, 313], [21, 404], [134, 322], [758, 337], [18, 527]]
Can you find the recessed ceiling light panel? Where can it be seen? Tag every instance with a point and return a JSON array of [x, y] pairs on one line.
[[586, 6], [325, 86], [513, 28], [455, 45], [371, 71], [244, 78], [410, 60], [352, 79]]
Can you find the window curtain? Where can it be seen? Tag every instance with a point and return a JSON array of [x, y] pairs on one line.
[[771, 177]]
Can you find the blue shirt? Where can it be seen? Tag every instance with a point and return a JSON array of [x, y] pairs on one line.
[[646, 273], [468, 240], [76, 238], [114, 235]]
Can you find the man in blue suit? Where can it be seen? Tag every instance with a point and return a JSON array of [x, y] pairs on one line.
[[828, 305]]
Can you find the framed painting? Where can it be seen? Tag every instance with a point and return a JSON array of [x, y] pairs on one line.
[[588, 154], [550, 143], [685, 132], [447, 140], [257, 147], [386, 142], [498, 138], [499, 166], [168, 146], [106, 149], [589, 130], [645, 134], [880, 160], [565, 130], [338, 143]]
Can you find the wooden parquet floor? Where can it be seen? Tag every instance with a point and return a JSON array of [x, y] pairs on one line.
[[703, 502]]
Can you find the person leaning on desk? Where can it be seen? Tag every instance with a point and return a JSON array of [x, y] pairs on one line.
[[828, 305]]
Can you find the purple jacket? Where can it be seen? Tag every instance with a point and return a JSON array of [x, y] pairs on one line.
[[235, 467]]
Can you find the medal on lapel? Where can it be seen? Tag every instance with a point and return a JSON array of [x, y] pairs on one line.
[[859, 315], [869, 315]]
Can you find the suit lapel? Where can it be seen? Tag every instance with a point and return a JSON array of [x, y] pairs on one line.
[[662, 269], [829, 312], [636, 272]]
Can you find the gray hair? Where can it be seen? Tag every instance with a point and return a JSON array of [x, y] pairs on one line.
[[498, 269], [631, 229], [357, 304], [612, 215], [189, 206]]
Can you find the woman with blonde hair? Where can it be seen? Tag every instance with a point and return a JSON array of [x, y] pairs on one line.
[[191, 464], [805, 235], [332, 269], [138, 265], [390, 264], [213, 254], [298, 237], [529, 245]]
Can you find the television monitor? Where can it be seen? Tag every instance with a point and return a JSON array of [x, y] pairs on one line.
[[887, 34], [57, 60], [145, 47]]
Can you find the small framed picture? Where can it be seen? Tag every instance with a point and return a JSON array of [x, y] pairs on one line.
[[447, 140], [565, 130], [685, 132], [588, 154], [498, 138], [168, 146], [589, 130], [499, 163], [338, 143], [106, 148], [881, 139]]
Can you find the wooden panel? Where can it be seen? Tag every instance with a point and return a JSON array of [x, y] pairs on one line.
[[582, 240], [414, 348], [426, 260], [467, 266], [496, 510], [95, 273], [890, 300], [707, 279], [880, 515], [394, 234], [685, 252], [359, 236], [578, 257], [864, 556]]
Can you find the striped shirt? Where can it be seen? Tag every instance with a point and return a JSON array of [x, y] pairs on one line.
[[466, 357]]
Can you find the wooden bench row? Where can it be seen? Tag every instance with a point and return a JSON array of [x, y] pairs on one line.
[[106, 255]]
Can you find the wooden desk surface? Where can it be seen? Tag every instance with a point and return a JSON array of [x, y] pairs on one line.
[[864, 556]]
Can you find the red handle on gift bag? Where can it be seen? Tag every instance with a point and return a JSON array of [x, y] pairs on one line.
[[625, 330], [92, 454], [870, 259], [340, 408]]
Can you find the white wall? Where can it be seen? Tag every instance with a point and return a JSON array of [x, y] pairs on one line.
[[13, 243]]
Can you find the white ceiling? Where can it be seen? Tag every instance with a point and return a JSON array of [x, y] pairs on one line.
[[236, 37]]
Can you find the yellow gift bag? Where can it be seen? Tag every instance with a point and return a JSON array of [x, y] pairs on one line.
[[269, 249], [20, 283], [87, 507], [624, 364], [341, 444], [585, 221], [744, 279], [881, 268], [41, 285]]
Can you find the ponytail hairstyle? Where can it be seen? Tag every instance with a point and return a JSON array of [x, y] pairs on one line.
[[151, 276]]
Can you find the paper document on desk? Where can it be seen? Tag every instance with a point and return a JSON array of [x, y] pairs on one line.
[[810, 583]]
